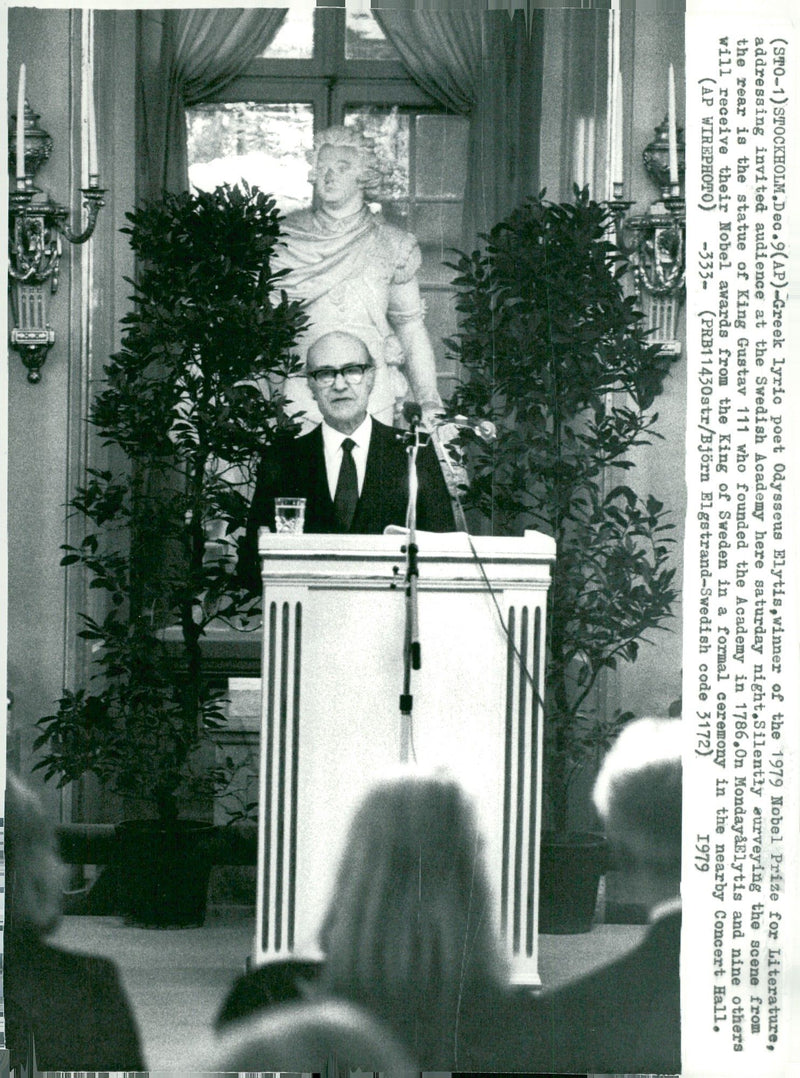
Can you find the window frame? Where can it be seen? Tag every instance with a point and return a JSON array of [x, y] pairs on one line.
[[329, 60], [328, 80]]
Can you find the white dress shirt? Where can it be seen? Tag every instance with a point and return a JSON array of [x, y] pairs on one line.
[[332, 444]]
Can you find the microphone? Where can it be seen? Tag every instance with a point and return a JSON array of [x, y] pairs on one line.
[[412, 413], [481, 428]]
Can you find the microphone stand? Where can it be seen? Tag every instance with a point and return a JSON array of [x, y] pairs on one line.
[[412, 652]]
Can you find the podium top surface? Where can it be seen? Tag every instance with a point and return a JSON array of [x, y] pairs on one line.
[[532, 547], [445, 559]]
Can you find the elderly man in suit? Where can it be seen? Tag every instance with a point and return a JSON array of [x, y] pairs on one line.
[[351, 469]]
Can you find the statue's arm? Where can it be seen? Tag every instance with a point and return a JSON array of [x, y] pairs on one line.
[[405, 315]]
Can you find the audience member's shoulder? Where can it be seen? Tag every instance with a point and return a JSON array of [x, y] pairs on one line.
[[667, 917], [286, 444], [60, 962]]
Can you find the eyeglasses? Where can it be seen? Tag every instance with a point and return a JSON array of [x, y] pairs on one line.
[[353, 374]]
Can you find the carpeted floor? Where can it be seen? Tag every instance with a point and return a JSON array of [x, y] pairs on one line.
[[177, 978]]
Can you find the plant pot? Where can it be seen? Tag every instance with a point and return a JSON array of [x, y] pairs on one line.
[[163, 871], [571, 865]]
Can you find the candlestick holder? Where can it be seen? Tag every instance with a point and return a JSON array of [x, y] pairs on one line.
[[655, 156], [619, 207], [654, 244], [38, 144], [37, 225]]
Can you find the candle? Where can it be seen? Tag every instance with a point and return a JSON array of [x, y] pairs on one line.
[[589, 159], [93, 173], [578, 152], [84, 127], [673, 138], [21, 124], [617, 173]]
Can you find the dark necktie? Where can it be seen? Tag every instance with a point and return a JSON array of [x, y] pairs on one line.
[[346, 498]]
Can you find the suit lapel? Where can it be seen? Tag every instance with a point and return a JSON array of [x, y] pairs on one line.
[[313, 466]]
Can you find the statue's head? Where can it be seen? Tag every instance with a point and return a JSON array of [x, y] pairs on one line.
[[347, 143]]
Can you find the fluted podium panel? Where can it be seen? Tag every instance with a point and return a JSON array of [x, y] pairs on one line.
[[332, 675]]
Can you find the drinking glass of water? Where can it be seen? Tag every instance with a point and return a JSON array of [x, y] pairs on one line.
[[290, 515]]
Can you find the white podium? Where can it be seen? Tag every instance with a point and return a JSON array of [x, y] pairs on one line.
[[332, 674]]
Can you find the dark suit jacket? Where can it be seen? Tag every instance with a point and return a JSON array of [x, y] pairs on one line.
[[623, 1018], [295, 468], [74, 1007]]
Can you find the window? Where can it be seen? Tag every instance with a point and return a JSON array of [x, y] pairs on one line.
[[295, 38], [264, 143], [330, 66], [364, 39]]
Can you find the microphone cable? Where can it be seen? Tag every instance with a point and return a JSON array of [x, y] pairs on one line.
[[537, 696]]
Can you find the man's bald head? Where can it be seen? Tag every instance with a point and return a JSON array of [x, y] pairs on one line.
[[337, 342]]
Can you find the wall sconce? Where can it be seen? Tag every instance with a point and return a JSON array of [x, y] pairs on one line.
[[655, 242], [36, 226]]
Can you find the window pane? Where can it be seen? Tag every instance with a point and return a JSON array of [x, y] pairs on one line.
[[389, 129], [437, 225], [441, 155], [426, 197], [364, 39], [441, 322], [295, 39], [433, 271], [263, 144]]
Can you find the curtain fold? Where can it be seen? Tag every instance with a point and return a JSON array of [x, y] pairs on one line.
[[504, 137], [486, 65], [184, 57], [442, 53]]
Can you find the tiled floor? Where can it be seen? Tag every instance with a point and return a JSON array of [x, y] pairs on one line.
[[177, 978]]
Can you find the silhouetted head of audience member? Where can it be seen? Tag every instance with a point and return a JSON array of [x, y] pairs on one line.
[[276, 982], [409, 931], [34, 871], [67, 1006], [638, 793], [323, 1037]]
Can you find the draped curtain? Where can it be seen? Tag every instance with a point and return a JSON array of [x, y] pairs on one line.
[[184, 57], [487, 66]]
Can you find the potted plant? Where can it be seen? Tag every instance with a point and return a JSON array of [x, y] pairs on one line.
[[556, 356], [181, 410]]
